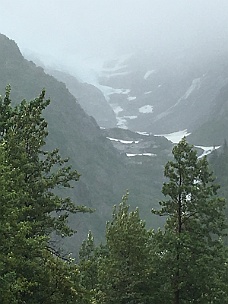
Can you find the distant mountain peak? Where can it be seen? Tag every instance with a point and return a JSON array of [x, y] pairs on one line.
[[9, 50]]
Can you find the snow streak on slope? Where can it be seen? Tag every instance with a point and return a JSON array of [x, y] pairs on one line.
[[175, 137], [196, 84], [147, 75], [140, 154], [123, 141], [207, 150]]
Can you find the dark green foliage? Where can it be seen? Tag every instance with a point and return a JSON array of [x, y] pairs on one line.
[[105, 174], [186, 262], [124, 274], [88, 265], [32, 269], [219, 162], [190, 250]]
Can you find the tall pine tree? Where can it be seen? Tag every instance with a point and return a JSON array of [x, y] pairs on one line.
[[125, 274], [191, 257], [32, 270]]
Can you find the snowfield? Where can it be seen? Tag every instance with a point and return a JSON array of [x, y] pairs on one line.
[[140, 154], [175, 137], [123, 141]]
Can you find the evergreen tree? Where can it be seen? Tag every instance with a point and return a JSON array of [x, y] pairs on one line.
[[125, 272], [32, 270], [88, 264], [219, 162], [191, 258]]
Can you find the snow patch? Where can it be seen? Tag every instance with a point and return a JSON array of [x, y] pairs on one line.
[[140, 154], [130, 98], [207, 150], [143, 133], [118, 91], [175, 137], [123, 141], [146, 109], [131, 117], [148, 92], [107, 91], [121, 122], [148, 73], [116, 74], [116, 109]]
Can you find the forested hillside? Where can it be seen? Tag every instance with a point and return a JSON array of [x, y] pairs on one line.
[[183, 263], [45, 197], [105, 173]]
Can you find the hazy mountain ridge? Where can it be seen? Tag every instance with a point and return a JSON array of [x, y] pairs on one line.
[[177, 93], [113, 160], [89, 97], [159, 93], [105, 173], [76, 134]]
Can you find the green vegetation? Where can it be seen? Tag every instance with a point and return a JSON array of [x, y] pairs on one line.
[[105, 173], [124, 273], [185, 262], [192, 254], [32, 269]]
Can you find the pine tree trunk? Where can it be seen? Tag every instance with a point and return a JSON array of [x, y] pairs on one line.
[[179, 230]]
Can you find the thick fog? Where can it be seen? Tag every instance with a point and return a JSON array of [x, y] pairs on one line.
[[86, 32]]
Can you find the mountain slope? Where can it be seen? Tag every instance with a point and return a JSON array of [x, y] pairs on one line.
[[214, 130], [106, 174], [163, 93], [89, 97]]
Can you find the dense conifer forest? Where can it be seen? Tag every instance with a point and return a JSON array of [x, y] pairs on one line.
[[184, 262]]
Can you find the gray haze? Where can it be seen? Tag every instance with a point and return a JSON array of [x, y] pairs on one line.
[[86, 32]]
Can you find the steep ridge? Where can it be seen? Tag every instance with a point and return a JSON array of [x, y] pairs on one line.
[[106, 174], [76, 134], [89, 97]]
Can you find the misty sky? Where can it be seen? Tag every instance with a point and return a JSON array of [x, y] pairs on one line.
[[66, 29]]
